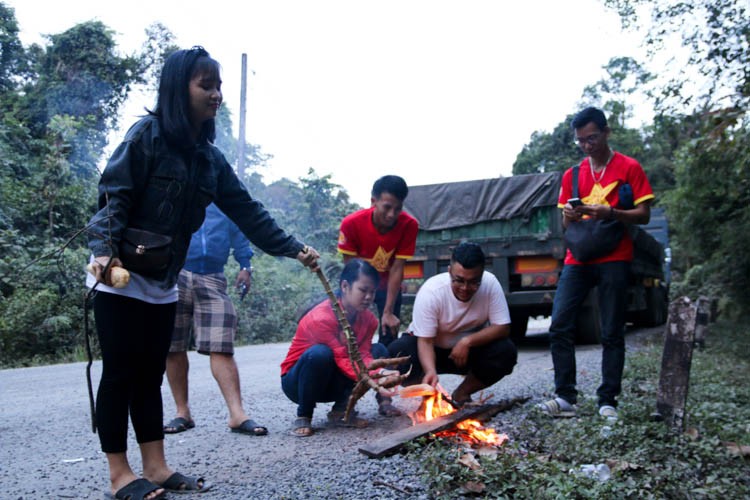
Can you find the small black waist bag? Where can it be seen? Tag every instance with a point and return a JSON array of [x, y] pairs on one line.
[[145, 252], [591, 239]]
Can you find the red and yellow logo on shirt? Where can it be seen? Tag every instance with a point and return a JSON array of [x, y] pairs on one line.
[[598, 194], [381, 259]]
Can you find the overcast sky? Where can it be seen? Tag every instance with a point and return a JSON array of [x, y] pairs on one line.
[[432, 90]]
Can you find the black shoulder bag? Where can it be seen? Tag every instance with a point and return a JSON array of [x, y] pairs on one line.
[[590, 239], [145, 252]]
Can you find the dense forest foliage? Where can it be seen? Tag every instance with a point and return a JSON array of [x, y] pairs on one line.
[[60, 102], [58, 105], [695, 151]]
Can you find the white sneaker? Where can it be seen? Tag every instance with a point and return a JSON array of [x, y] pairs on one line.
[[608, 412], [558, 407]]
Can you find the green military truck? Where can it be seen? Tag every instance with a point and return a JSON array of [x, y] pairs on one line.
[[518, 224]]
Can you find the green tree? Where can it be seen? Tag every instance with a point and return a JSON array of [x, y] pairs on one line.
[[325, 204], [154, 51], [703, 103], [12, 55], [549, 152], [557, 151], [58, 103], [715, 34]]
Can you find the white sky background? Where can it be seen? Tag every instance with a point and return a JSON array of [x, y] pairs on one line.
[[432, 90]]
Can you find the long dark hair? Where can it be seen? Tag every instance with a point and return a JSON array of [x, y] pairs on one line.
[[173, 103]]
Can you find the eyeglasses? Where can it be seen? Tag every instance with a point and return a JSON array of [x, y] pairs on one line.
[[470, 284], [590, 140]]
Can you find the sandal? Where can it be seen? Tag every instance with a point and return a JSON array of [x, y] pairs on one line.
[[302, 427], [336, 418], [180, 483], [135, 490], [558, 408], [177, 425], [251, 428]]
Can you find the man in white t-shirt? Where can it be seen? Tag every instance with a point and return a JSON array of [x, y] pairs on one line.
[[460, 324]]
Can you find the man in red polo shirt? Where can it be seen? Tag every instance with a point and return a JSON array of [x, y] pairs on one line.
[[386, 237], [611, 186]]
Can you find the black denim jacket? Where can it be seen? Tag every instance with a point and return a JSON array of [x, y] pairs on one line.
[[149, 185]]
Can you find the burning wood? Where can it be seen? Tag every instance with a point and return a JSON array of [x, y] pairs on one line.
[[435, 404], [394, 441]]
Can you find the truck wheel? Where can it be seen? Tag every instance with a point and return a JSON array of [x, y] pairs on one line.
[[658, 306], [589, 325], [519, 322]]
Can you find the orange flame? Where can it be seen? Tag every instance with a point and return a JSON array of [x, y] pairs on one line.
[[469, 429]]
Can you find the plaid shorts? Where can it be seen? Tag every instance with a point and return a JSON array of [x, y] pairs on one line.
[[205, 309]]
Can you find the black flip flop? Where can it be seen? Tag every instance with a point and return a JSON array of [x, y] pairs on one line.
[[177, 425], [136, 489], [251, 428], [180, 483]]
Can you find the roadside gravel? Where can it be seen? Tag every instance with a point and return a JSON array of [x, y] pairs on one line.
[[47, 449]]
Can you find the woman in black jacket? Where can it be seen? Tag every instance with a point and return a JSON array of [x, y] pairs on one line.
[[152, 197]]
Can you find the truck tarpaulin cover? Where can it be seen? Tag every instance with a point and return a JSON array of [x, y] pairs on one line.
[[455, 204]]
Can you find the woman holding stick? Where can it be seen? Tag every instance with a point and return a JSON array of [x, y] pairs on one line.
[[152, 197], [317, 367]]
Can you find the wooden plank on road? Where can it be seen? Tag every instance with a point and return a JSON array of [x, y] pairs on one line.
[[393, 442]]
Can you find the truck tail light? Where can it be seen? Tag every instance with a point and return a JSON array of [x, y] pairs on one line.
[[537, 272], [525, 265], [413, 270]]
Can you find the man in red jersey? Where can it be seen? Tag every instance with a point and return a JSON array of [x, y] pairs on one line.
[[386, 237], [611, 186]]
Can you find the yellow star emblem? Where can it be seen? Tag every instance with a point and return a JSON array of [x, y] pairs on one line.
[[598, 195], [381, 259]]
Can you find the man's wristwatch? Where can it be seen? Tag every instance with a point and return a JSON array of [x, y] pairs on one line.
[[248, 269]]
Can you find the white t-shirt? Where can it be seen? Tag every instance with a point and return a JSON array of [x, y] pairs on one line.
[[139, 287], [439, 314]]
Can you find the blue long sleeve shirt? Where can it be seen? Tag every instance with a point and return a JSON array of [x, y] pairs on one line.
[[210, 244]]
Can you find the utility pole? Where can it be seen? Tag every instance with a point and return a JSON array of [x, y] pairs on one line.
[[243, 112]]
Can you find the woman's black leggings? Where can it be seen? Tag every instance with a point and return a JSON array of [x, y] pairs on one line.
[[134, 337]]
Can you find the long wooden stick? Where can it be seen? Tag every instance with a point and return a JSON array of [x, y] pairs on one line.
[[351, 339], [364, 380]]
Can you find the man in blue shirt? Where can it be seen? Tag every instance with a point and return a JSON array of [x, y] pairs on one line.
[[205, 309]]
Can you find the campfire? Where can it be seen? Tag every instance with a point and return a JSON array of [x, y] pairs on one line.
[[435, 404], [442, 419]]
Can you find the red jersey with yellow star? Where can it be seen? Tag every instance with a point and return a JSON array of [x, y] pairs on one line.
[[359, 238], [620, 170]]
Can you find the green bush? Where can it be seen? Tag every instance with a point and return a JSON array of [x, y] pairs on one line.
[[41, 312], [281, 290]]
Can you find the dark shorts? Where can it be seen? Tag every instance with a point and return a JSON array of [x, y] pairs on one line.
[[204, 308]]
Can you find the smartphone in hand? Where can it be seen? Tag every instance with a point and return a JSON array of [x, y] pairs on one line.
[[575, 202]]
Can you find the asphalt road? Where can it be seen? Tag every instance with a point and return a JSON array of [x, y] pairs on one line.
[[47, 448]]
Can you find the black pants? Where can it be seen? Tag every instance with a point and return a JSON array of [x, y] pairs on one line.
[[380, 298], [611, 280], [489, 363], [315, 378], [134, 337]]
